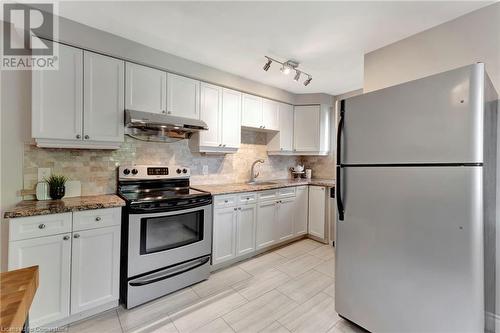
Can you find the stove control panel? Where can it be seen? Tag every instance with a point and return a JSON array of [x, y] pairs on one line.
[[152, 172]]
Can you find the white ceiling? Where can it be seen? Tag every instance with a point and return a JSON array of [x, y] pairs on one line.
[[329, 39]]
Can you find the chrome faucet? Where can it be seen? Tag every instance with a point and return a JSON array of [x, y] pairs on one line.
[[253, 175]]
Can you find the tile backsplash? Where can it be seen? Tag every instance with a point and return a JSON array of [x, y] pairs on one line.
[[96, 169]]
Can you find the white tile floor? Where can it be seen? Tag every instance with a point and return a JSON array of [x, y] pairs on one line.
[[290, 289]]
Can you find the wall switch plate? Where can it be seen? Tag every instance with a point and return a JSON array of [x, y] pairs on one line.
[[44, 173], [205, 170]]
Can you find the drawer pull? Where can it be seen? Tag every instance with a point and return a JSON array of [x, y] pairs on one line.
[[248, 198], [65, 237], [41, 226], [98, 218], [76, 236], [226, 201]]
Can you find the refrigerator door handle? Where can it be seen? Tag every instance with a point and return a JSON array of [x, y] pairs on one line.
[[338, 182]]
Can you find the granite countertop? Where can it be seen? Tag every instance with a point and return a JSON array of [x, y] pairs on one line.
[[34, 207], [216, 189]]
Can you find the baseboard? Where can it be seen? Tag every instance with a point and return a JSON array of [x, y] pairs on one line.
[[491, 323]]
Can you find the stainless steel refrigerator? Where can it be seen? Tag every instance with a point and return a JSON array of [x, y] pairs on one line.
[[416, 182]]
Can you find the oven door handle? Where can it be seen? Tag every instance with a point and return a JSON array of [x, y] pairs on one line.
[[170, 272]]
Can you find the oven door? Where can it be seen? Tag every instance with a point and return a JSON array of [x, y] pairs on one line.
[[158, 240]]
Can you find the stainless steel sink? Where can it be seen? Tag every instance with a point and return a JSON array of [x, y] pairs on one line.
[[261, 183]]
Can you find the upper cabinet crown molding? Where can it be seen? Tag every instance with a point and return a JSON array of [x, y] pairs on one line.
[[145, 89], [67, 114], [183, 96]]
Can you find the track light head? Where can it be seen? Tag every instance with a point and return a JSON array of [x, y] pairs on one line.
[[297, 76], [267, 65], [309, 79]]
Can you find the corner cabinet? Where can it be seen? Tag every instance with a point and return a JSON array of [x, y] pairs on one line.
[[220, 109], [78, 255], [80, 105], [311, 132]]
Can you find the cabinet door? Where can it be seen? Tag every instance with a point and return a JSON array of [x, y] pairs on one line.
[[231, 118], [286, 218], [224, 238], [183, 96], [52, 254], [266, 220], [251, 114], [270, 114], [103, 102], [317, 206], [210, 112], [301, 210], [245, 230], [306, 128], [145, 89], [95, 268], [286, 127], [57, 98]]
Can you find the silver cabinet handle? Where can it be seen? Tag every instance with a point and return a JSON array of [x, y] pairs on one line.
[[223, 145], [98, 218], [86, 137], [163, 111], [65, 237], [239, 208], [235, 208], [78, 136], [169, 112], [220, 144], [76, 236], [41, 226]]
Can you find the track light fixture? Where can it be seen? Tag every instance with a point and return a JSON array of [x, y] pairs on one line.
[[287, 67], [308, 80]]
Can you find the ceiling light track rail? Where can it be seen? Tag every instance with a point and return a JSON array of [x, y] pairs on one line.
[[287, 67]]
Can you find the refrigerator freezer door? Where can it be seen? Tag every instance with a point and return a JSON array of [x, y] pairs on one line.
[[409, 253], [438, 119]]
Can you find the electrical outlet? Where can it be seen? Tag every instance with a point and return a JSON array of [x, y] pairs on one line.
[[205, 170], [44, 173]]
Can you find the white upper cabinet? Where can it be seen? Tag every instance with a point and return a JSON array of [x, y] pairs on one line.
[[183, 96], [210, 113], [282, 141], [311, 132], [270, 114], [103, 101], [57, 98], [80, 105], [251, 114], [221, 110], [231, 119], [145, 89]]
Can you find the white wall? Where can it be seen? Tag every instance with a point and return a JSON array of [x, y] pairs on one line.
[[474, 37]]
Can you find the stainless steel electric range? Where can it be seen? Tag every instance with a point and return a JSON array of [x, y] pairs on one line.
[[166, 232]]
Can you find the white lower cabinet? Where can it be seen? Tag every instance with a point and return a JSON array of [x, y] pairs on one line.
[[52, 254], [78, 269], [266, 217], [224, 242], [317, 206], [286, 217], [245, 230], [95, 268], [301, 210]]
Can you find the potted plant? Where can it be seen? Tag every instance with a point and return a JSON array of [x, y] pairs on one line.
[[56, 186]]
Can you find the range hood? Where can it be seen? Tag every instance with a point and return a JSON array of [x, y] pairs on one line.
[[159, 127]]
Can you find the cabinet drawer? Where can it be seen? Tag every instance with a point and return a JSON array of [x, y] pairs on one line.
[[248, 198], [287, 192], [268, 195], [225, 200], [97, 218], [39, 226]]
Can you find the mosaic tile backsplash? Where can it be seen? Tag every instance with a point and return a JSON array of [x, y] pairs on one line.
[[96, 169]]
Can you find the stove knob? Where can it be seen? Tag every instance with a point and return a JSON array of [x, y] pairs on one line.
[[184, 171], [178, 171], [134, 171], [126, 171]]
